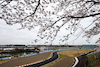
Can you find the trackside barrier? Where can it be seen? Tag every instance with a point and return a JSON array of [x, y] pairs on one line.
[[21, 56], [33, 54], [92, 53], [45, 51], [65, 49], [76, 62], [53, 50], [62, 49], [26, 55], [6, 58]]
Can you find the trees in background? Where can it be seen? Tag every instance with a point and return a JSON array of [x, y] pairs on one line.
[[52, 15]]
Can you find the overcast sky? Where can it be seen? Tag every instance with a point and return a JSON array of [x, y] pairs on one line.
[[11, 35]]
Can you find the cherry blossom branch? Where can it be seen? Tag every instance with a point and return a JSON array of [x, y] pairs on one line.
[[85, 16]]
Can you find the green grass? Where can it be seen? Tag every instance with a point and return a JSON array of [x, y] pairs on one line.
[[92, 61], [62, 56]]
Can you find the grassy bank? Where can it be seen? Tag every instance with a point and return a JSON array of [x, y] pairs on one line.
[[94, 60], [75, 53]]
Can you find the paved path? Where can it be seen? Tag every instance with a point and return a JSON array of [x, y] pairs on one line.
[[25, 60], [54, 57]]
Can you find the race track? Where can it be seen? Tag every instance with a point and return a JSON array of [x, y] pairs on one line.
[[82, 61], [24, 60], [54, 57]]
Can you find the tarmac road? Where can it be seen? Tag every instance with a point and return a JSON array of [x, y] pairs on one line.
[[54, 57], [24, 60], [64, 62], [82, 61]]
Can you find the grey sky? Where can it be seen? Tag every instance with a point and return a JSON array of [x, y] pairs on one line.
[[11, 35]]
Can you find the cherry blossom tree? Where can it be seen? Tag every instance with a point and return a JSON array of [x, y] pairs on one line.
[[52, 15]]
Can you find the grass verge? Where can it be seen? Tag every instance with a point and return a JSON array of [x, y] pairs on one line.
[[92, 61], [75, 53]]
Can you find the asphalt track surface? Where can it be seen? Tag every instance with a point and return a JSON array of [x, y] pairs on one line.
[[82, 61], [64, 62], [54, 57], [24, 60]]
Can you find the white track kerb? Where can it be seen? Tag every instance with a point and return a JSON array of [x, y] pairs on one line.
[[76, 62]]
